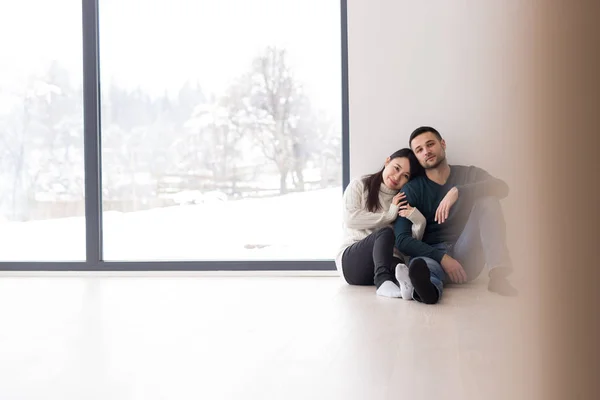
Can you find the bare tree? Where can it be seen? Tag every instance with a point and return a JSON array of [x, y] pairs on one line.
[[275, 107], [217, 133]]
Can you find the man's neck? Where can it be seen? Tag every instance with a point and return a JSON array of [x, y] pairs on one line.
[[440, 173]]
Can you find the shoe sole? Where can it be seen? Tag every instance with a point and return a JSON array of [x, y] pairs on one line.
[[420, 277]]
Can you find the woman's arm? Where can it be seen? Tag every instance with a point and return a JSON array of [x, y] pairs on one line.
[[356, 215], [418, 223]]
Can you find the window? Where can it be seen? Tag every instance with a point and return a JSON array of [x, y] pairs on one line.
[[41, 131], [221, 129], [137, 135]]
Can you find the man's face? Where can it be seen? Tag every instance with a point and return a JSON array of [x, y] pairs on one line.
[[430, 151]]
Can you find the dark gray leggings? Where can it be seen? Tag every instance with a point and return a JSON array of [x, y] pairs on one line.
[[371, 261]]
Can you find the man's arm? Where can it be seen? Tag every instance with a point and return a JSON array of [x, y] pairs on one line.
[[405, 243], [480, 183]]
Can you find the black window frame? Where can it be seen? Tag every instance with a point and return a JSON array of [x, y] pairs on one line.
[[93, 176]]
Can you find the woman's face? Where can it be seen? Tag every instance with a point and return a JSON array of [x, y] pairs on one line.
[[396, 172]]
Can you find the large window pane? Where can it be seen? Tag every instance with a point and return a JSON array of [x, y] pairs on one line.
[[221, 129], [41, 131]]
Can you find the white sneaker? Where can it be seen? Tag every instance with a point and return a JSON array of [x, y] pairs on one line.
[[406, 288]]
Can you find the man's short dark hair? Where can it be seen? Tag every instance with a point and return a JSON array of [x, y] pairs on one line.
[[421, 130]]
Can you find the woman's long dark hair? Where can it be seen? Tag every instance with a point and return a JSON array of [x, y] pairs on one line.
[[373, 182]]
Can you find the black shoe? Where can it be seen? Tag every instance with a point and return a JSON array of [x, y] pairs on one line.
[[420, 277]]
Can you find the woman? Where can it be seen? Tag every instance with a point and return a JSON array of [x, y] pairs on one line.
[[371, 204]]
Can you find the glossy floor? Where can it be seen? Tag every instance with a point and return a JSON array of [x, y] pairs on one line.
[[251, 338]]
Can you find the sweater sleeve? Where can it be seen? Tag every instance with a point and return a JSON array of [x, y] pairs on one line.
[[418, 223], [480, 183], [356, 216], [405, 242]]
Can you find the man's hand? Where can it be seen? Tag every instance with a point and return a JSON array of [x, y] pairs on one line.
[[443, 210], [453, 269]]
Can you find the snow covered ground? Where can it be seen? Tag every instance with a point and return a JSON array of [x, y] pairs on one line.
[[296, 226]]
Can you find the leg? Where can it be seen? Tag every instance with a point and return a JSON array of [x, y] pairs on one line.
[[371, 261], [427, 277], [483, 241]]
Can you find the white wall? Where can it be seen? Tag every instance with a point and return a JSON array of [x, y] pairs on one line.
[[441, 63]]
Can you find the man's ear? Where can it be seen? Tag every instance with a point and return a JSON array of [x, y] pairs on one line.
[[443, 142]]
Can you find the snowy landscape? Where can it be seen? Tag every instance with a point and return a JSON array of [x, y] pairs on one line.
[[297, 226], [226, 146]]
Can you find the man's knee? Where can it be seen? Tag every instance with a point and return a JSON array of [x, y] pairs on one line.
[[487, 204], [487, 201]]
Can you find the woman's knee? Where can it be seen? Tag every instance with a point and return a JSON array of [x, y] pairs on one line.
[[387, 232]]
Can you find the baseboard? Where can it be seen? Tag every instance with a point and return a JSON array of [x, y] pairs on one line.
[[175, 274]]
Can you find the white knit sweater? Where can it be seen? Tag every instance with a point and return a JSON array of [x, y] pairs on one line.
[[358, 222]]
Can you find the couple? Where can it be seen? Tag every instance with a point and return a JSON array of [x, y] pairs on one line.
[[444, 221]]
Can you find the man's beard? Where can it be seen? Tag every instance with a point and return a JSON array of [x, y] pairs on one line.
[[440, 159]]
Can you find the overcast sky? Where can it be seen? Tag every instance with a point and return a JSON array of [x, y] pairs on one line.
[[159, 44]]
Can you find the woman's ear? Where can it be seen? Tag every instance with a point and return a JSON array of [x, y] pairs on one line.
[[387, 161]]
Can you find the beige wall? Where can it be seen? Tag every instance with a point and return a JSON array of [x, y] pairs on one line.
[[498, 78], [438, 63], [462, 67]]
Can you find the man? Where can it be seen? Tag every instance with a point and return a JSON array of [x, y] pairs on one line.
[[465, 225]]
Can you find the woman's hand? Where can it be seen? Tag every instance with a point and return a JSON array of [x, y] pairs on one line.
[[405, 210], [399, 199]]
